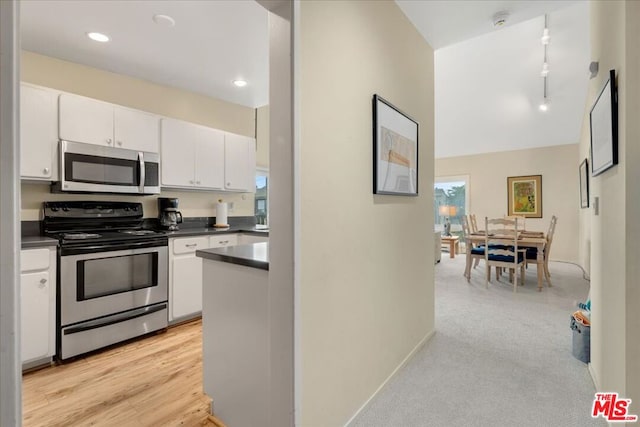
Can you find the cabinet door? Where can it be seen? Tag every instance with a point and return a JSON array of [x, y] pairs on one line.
[[35, 315], [187, 286], [239, 163], [209, 160], [38, 133], [136, 130], [177, 153], [85, 120]]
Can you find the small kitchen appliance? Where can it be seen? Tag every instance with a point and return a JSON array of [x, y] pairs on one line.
[[168, 213]]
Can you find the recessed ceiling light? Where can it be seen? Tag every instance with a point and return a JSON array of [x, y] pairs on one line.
[[164, 20], [99, 37], [240, 83], [544, 106]]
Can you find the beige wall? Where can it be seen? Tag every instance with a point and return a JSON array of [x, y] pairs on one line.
[[558, 166], [611, 236], [146, 96], [366, 269]]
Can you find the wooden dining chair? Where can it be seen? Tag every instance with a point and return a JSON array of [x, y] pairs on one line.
[[532, 253], [520, 219], [473, 223], [501, 249], [472, 253]]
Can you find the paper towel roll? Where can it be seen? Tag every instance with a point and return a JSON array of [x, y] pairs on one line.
[[221, 214]]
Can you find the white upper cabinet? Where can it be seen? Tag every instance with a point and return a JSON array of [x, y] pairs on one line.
[[192, 156], [136, 130], [96, 122], [239, 163], [209, 160], [38, 133]]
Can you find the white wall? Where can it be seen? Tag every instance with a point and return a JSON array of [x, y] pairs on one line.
[[611, 237], [558, 166], [366, 269], [146, 96]]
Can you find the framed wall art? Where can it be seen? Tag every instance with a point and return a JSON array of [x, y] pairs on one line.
[[395, 150], [584, 184], [524, 194], [603, 121]]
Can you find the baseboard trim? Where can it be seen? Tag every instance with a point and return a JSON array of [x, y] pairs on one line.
[[594, 378], [406, 360]]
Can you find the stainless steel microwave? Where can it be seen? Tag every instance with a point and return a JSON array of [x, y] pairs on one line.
[[89, 168]]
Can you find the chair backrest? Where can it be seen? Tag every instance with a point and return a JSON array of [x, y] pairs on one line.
[[465, 228], [501, 239], [520, 219], [552, 229], [474, 224]]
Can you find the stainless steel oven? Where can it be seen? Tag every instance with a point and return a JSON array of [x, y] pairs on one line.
[[113, 274], [96, 168], [110, 293]]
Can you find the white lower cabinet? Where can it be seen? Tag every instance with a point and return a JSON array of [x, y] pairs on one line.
[[185, 277], [247, 239], [38, 304], [185, 273], [223, 240]]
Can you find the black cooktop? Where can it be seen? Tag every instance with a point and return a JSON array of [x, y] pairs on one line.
[[87, 223]]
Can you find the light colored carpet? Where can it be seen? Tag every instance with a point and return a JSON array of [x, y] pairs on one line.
[[497, 358]]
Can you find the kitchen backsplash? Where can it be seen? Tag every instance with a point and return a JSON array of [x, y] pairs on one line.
[[191, 204]]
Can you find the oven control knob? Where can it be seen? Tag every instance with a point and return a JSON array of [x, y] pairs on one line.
[[126, 208], [65, 208], [135, 208], [54, 209]]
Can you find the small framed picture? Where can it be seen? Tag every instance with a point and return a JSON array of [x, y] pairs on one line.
[[395, 150], [525, 196], [584, 184]]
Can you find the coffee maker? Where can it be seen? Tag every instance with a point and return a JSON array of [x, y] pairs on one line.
[[168, 213]]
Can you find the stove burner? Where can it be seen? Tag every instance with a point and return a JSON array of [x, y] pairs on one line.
[[137, 232], [80, 236]]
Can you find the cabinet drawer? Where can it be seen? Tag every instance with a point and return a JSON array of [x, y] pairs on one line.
[[223, 240], [34, 259], [189, 245]]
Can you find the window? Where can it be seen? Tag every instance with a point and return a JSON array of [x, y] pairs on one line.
[[261, 207], [451, 201]]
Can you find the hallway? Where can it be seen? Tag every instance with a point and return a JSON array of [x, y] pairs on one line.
[[497, 358]]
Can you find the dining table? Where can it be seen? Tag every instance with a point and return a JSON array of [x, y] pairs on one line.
[[526, 239]]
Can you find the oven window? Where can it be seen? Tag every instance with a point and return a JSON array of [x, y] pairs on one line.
[[114, 275]]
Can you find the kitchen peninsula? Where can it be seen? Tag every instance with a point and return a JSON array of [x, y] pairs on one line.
[[235, 332]]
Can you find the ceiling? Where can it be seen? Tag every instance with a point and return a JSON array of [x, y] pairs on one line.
[[211, 44], [487, 80]]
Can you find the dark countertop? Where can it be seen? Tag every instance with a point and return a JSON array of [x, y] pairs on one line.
[[197, 231], [29, 242], [255, 255]]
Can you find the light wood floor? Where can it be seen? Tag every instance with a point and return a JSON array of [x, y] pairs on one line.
[[156, 381]]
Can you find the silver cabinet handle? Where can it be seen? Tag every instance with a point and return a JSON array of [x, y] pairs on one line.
[[108, 140], [192, 245], [198, 182], [43, 281], [224, 242], [228, 184], [190, 181], [119, 142], [45, 170]]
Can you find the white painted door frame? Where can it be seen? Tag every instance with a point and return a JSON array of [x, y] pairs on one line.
[[10, 364]]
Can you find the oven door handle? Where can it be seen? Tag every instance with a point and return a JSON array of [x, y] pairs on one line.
[[142, 172], [116, 318]]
